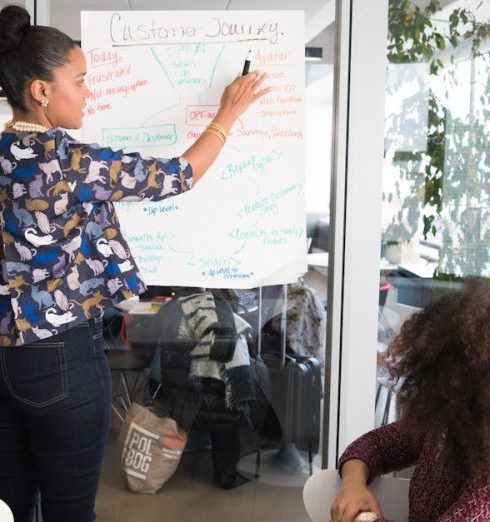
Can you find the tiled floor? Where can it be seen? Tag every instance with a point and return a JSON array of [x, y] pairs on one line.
[[190, 496]]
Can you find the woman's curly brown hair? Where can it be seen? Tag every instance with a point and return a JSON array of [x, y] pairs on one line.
[[440, 362]]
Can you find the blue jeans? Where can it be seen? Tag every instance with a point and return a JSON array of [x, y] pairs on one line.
[[55, 398]]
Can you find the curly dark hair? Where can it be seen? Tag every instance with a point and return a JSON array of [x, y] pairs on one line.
[[440, 363]]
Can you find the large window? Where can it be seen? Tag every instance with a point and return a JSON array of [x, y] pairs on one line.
[[436, 210], [265, 464]]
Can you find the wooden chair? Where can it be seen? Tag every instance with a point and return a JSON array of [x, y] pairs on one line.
[[321, 488]]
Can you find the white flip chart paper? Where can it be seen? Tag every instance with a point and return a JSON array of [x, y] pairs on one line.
[[156, 80]]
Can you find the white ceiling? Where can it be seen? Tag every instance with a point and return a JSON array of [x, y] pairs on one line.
[[65, 14]]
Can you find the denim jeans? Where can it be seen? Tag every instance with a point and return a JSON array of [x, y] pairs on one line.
[[54, 418]]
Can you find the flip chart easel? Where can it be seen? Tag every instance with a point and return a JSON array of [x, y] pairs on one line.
[[156, 79]]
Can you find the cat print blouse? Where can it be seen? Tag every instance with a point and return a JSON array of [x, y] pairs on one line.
[[63, 258]]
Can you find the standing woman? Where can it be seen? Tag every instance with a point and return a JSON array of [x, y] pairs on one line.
[[63, 260]]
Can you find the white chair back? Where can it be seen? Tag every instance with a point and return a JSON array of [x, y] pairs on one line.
[[321, 488], [5, 513]]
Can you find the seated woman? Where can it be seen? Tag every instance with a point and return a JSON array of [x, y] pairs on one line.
[[440, 362]]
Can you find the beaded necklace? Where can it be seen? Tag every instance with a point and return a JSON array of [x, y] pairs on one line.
[[25, 126]]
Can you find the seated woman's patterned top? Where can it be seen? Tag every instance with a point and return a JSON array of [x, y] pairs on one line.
[[63, 257], [435, 495]]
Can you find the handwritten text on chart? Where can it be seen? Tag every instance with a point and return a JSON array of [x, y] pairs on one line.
[[94, 79], [268, 134], [260, 133], [185, 50], [213, 262], [122, 91], [123, 31], [160, 208], [160, 75], [200, 114], [283, 100], [185, 71], [219, 267], [100, 57], [271, 237], [150, 240], [271, 58], [253, 163], [157, 135], [268, 204], [226, 272], [149, 264]]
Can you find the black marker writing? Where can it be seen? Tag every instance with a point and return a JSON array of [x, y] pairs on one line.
[[263, 31]]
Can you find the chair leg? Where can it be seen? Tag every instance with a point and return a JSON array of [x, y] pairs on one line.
[[137, 384], [125, 387], [383, 326], [125, 393], [386, 413], [119, 402], [38, 513], [155, 393], [122, 403], [116, 411], [310, 459], [378, 393], [258, 460]]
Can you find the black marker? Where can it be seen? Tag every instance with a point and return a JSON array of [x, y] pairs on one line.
[[246, 65]]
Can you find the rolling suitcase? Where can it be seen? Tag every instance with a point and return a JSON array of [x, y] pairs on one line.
[[305, 389], [296, 393]]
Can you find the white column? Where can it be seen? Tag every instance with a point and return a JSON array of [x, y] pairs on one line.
[[43, 14], [29, 5], [356, 218]]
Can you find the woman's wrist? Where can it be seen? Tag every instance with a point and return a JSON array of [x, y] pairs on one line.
[[226, 118], [355, 471]]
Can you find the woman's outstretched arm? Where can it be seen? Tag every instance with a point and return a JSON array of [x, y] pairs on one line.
[[236, 99]]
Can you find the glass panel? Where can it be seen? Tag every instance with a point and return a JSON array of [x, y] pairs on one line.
[[436, 219], [254, 461]]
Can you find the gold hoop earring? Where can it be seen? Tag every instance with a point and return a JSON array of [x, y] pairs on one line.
[[44, 103]]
